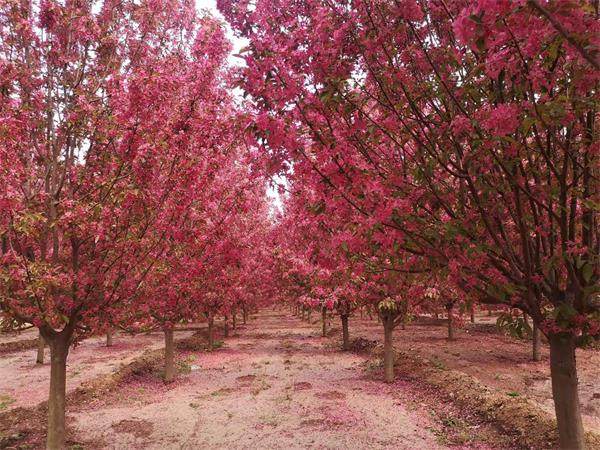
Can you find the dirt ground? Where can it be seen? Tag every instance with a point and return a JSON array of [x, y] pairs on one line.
[[25, 383], [277, 383], [498, 361]]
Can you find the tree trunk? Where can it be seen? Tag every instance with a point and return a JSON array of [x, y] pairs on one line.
[[244, 315], [324, 320], [450, 310], [234, 321], [226, 327], [536, 341], [308, 317], [211, 338], [59, 349], [563, 371], [40, 349], [345, 333], [473, 313], [388, 349], [109, 338], [169, 356]]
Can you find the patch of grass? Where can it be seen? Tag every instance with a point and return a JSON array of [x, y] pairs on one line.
[[438, 363], [185, 365], [512, 394], [5, 401], [216, 345]]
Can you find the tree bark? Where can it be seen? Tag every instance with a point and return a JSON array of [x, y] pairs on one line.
[[345, 333], [308, 316], [450, 310], [234, 320], [169, 356], [473, 313], [109, 338], [388, 349], [59, 349], [324, 320], [226, 327], [536, 342], [563, 371], [40, 349], [211, 338], [244, 315]]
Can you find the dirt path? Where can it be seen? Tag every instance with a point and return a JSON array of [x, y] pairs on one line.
[[276, 385]]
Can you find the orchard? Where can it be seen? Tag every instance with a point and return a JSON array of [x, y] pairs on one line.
[[300, 224]]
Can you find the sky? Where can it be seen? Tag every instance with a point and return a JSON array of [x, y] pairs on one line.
[[238, 44]]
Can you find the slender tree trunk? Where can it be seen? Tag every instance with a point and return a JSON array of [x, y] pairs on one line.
[[211, 337], [59, 349], [309, 314], [450, 310], [324, 320], [234, 320], [169, 356], [536, 342], [388, 349], [244, 315], [473, 313], [40, 349], [109, 338], [345, 333], [226, 327], [563, 371]]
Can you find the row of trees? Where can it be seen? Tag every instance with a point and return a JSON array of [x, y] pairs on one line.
[[127, 195], [445, 143]]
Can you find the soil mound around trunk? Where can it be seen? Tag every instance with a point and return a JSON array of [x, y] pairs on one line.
[[508, 411]]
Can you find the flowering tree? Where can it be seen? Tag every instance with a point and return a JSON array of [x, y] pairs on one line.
[[473, 122], [97, 99]]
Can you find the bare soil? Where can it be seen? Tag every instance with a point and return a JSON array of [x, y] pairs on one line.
[[498, 361], [23, 383], [277, 384]]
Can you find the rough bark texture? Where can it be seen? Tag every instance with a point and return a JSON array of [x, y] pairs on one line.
[[536, 343], [226, 327], [345, 333], [244, 315], [234, 320], [40, 350], [59, 349], [388, 349], [324, 321], [563, 371], [109, 338], [472, 313], [169, 356]]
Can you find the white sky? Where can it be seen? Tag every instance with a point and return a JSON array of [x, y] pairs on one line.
[[238, 44]]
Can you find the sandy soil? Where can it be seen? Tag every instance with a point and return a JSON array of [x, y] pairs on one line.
[[10, 336], [498, 361], [275, 385], [25, 383]]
